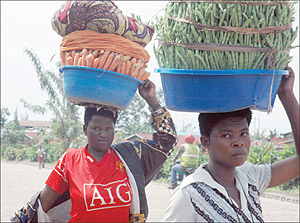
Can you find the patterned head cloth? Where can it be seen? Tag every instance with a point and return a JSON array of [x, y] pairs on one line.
[[103, 107], [98, 109]]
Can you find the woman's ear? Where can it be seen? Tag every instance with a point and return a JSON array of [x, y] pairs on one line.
[[204, 141]]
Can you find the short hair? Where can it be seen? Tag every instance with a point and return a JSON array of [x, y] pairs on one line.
[[89, 112], [208, 120]]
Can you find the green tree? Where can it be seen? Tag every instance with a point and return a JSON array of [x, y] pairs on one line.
[[16, 120], [66, 115], [12, 134], [136, 118], [4, 116], [24, 116]]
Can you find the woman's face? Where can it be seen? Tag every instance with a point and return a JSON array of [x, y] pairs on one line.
[[100, 133], [229, 142]]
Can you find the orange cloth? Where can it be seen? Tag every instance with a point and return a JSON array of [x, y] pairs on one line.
[[93, 40]]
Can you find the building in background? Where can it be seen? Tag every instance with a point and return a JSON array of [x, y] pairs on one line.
[[285, 139], [32, 128], [277, 142]]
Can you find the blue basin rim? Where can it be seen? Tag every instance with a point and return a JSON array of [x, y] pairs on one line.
[[220, 72], [99, 71]]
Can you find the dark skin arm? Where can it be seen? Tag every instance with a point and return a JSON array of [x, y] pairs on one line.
[[178, 154], [48, 197], [288, 169]]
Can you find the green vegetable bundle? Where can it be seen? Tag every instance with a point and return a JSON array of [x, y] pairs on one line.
[[225, 34]]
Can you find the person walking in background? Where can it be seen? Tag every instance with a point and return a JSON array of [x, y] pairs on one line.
[[227, 188], [188, 154], [41, 155]]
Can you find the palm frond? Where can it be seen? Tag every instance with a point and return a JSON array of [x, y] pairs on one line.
[[34, 108]]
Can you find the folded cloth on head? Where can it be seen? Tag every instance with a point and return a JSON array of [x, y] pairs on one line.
[[89, 39], [101, 16]]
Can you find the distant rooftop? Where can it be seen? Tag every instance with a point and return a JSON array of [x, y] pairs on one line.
[[34, 124]]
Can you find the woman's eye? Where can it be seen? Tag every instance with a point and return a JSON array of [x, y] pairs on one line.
[[245, 134], [226, 136], [109, 129]]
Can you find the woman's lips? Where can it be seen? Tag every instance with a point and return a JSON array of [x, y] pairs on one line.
[[102, 141], [239, 154]]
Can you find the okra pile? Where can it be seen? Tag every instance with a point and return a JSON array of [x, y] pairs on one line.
[[172, 32]]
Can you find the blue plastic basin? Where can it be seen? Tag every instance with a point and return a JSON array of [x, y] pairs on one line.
[[219, 90], [91, 85]]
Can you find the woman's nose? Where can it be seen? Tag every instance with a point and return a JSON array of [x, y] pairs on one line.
[[102, 133], [237, 141]]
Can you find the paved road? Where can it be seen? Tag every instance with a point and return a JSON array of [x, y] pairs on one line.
[[19, 181]]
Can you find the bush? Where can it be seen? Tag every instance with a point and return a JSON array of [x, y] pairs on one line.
[[31, 153], [2, 150], [265, 153], [203, 155], [287, 151], [53, 152], [21, 154], [10, 153], [262, 154]]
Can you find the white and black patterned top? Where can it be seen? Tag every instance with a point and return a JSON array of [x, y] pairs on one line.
[[201, 199]]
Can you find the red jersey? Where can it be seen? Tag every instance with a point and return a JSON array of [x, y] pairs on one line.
[[100, 191]]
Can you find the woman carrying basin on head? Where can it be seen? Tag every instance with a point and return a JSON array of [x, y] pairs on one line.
[[227, 188], [102, 182]]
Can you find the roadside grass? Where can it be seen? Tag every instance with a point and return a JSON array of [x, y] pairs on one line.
[[292, 192], [161, 180]]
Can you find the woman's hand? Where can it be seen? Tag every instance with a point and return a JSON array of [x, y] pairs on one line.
[[147, 91], [287, 83]]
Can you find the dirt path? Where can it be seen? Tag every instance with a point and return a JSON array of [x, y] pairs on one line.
[[19, 181]]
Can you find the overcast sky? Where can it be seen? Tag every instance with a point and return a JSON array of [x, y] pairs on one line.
[[28, 24]]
